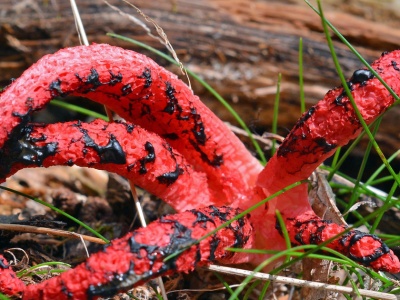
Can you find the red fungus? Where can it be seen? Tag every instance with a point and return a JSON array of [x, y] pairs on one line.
[[363, 248], [131, 151], [205, 164], [329, 124], [9, 282], [139, 256], [332, 123], [144, 93]]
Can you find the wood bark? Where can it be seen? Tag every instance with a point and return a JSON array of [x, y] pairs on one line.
[[239, 48]]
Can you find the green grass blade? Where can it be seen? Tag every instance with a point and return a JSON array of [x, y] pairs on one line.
[[264, 290], [359, 278], [381, 180], [33, 268], [132, 296], [353, 284], [295, 252], [371, 180], [79, 109], [354, 196], [342, 159], [356, 53], [246, 296], [348, 92], [284, 231], [88, 228], [284, 253], [335, 161], [3, 297], [155, 290], [301, 78], [226, 285], [276, 113], [388, 200]]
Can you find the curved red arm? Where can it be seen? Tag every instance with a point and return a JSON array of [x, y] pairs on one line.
[[140, 256], [128, 150], [332, 123], [366, 249], [144, 93]]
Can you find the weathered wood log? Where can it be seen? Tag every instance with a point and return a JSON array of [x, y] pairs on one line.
[[239, 49]]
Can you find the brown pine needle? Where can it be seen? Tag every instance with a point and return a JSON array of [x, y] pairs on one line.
[[50, 231]]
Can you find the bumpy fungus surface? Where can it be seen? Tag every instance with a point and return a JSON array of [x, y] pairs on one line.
[[139, 90], [187, 157], [131, 151], [331, 123], [140, 255]]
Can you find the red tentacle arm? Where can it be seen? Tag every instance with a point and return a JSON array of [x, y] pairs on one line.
[[331, 123], [139, 256], [366, 249], [143, 93], [130, 151]]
